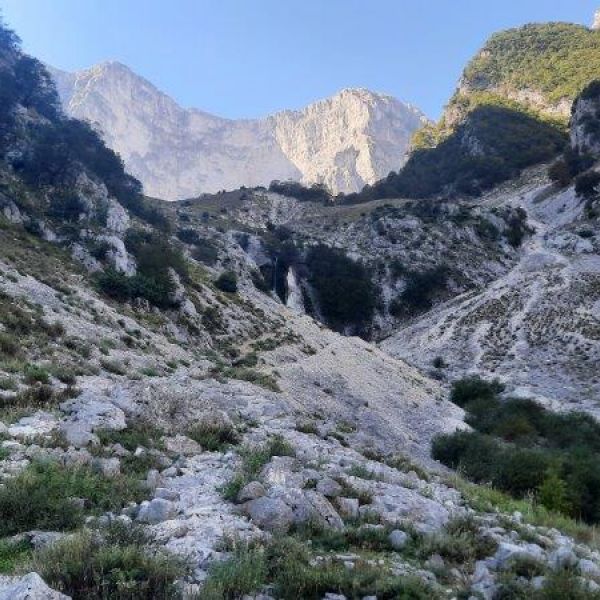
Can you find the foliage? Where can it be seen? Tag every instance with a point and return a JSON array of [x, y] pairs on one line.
[[346, 293], [420, 290], [286, 564], [214, 436], [587, 185], [556, 59], [58, 148], [317, 192], [137, 433], [42, 497], [254, 458], [86, 566], [12, 554], [492, 145], [473, 388], [521, 448], [156, 258], [227, 282]]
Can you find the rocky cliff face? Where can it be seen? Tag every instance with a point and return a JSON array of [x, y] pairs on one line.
[[353, 138], [585, 136]]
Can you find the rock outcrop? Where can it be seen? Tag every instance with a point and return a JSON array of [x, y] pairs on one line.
[[345, 141]]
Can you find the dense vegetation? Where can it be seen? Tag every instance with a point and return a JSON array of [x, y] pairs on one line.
[[523, 449], [113, 564], [492, 145], [58, 149], [157, 261], [556, 59], [317, 192], [43, 497], [420, 290], [346, 293]]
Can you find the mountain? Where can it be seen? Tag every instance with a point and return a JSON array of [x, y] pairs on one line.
[[345, 141], [185, 411], [510, 111]]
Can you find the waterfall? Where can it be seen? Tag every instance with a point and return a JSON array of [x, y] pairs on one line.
[[294, 293]]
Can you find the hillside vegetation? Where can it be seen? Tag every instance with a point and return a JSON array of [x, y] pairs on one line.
[[556, 59], [509, 112]]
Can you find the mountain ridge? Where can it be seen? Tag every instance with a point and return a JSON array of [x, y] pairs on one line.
[[345, 141]]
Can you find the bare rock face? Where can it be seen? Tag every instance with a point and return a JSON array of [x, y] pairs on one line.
[[584, 135], [348, 140]]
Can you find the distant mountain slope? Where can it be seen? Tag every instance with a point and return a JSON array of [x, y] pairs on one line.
[[345, 141], [509, 111]]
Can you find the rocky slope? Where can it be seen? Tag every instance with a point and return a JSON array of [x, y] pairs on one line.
[[536, 326], [345, 141], [173, 425]]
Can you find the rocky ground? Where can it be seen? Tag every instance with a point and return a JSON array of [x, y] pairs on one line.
[[330, 437], [535, 327]]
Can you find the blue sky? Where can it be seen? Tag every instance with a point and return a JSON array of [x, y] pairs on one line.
[[248, 58]]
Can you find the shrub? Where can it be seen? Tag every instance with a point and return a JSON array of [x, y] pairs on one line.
[[245, 572], [87, 567], [113, 366], [205, 251], [522, 448], [253, 460], [42, 497], [13, 554], [36, 374], [227, 282], [9, 345], [136, 434], [422, 287], [346, 293], [474, 388], [213, 436], [317, 192], [586, 185]]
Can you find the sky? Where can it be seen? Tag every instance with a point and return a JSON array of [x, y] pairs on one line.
[[249, 58]]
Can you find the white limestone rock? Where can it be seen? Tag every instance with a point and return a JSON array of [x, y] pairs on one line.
[[354, 137]]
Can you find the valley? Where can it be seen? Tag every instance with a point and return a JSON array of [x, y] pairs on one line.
[[376, 382]]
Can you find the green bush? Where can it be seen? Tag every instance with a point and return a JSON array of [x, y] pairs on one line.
[[474, 388], [422, 287], [88, 567], [36, 374], [521, 448], [13, 555], [286, 565], [214, 436], [346, 294], [155, 257], [42, 497], [227, 282], [507, 141]]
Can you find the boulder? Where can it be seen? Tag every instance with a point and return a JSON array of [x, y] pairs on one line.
[[348, 507], [563, 557], [29, 587], [109, 467], [282, 471], [38, 424], [330, 488], [156, 511], [507, 552], [272, 514], [183, 445], [251, 491], [166, 494], [589, 568], [398, 539]]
